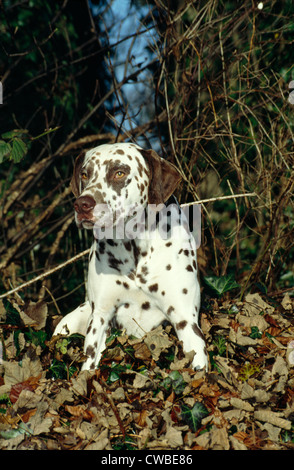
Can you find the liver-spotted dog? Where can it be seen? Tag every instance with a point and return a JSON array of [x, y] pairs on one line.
[[142, 264]]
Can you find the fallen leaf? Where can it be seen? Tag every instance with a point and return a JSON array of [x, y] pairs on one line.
[[79, 411], [35, 313], [272, 418], [241, 404], [193, 416], [138, 411], [253, 321], [157, 341], [141, 351], [171, 397], [15, 373], [241, 436], [28, 414], [255, 305], [30, 384], [287, 302], [174, 437], [142, 418], [219, 439], [141, 381], [271, 321]]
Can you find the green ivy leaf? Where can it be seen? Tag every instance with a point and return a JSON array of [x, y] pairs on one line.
[[220, 285], [255, 333], [5, 149], [12, 315], [114, 334], [19, 149], [113, 376], [175, 382], [194, 416], [14, 133], [59, 370], [12, 433]]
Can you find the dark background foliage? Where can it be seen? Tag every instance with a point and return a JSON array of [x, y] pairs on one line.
[[204, 83]]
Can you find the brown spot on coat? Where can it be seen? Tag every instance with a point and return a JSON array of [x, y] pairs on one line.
[[197, 331], [90, 351], [170, 310], [153, 288], [181, 325], [145, 305]]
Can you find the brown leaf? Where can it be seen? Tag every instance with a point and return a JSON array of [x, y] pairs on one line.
[[30, 384], [273, 331], [142, 352], [175, 413], [157, 341], [142, 418], [28, 414], [15, 373], [240, 436], [272, 418], [286, 303], [209, 390], [196, 382], [171, 397], [234, 325], [35, 313], [79, 411], [174, 437], [269, 319], [255, 305]]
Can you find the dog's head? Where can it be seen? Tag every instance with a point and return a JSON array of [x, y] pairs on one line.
[[111, 180]]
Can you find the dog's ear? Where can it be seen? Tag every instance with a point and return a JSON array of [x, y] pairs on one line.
[[75, 181], [164, 177]]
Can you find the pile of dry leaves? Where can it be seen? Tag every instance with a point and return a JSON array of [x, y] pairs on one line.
[[145, 395]]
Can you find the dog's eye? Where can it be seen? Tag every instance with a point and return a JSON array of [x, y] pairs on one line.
[[119, 174], [84, 175]]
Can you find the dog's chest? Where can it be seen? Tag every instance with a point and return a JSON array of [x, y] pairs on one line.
[[124, 263], [119, 257]]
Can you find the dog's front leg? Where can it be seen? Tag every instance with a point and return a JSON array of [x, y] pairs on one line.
[[192, 337], [96, 337], [74, 322]]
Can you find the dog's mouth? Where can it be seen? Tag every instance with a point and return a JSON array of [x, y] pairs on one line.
[[87, 223], [90, 220], [102, 217], [85, 220]]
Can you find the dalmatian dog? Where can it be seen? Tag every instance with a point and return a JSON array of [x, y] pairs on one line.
[[142, 264]]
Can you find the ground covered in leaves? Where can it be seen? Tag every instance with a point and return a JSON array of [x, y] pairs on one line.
[[144, 394]]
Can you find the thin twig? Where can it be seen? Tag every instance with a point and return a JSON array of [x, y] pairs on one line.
[[221, 198], [114, 409], [52, 297], [47, 273], [32, 226]]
